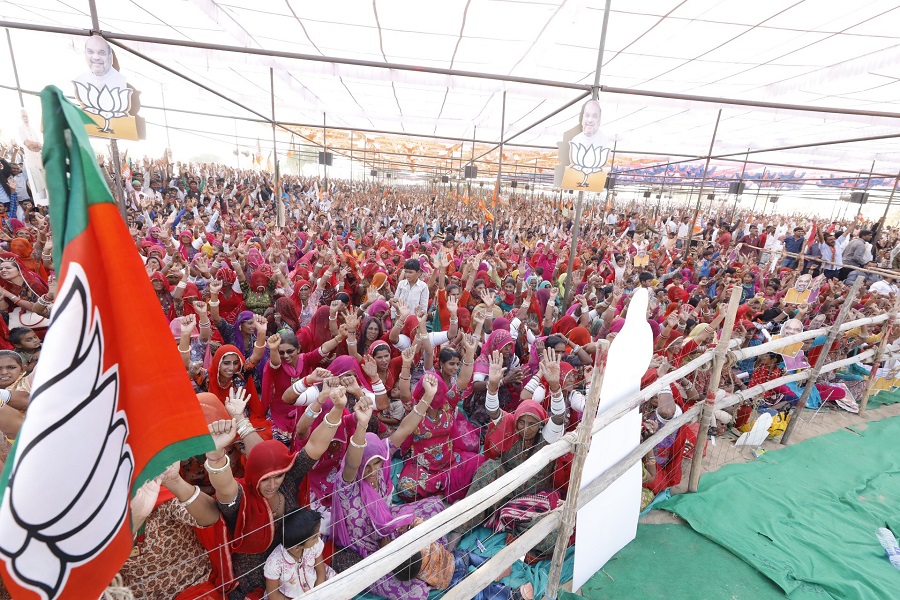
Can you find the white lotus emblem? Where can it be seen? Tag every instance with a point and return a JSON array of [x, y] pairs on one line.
[[108, 103], [63, 502], [587, 159]]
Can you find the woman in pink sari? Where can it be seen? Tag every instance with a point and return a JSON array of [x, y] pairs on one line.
[[438, 466]]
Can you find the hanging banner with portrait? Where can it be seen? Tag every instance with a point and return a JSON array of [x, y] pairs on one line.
[[583, 153], [104, 95]]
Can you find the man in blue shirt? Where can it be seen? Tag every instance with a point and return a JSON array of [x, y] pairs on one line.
[[793, 244]]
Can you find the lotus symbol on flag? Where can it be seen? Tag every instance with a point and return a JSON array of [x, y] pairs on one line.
[[108, 103], [587, 159], [62, 508]]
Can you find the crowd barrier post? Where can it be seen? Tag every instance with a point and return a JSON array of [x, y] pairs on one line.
[[820, 362], [582, 445], [712, 143], [886, 331], [706, 414]]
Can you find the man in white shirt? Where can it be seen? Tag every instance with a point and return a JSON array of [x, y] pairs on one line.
[[412, 291]]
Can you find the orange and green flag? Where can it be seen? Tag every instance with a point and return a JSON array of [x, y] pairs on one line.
[[111, 404]]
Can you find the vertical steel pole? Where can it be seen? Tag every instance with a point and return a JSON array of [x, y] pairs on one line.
[[119, 192], [570, 511], [500, 159], [279, 204], [12, 58], [687, 246], [886, 208]]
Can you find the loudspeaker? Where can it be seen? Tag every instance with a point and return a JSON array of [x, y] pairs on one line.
[[859, 197], [471, 172], [514, 183], [373, 173], [387, 175], [736, 187], [646, 194], [325, 158], [610, 183], [711, 197], [773, 199], [658, 196], [445, 179], [526, 187]]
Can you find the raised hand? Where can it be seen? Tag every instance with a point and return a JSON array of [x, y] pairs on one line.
[[363, 409], [452, 306], [408, 355], [339, 397], [261, 325], [469, 343], [188, 324], [318, 376], [236, 402], [370, 367], [550, 366], [201, 309], [495, 373], [430, 385], [223, 433], [215, 287], [352, 322], [273, 342]]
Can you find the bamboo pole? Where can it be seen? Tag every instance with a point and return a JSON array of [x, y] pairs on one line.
[[886, 331], [582, 446], [706, 414], [820, 362]]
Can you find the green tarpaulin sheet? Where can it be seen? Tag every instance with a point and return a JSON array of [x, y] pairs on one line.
[[808, 513], [674, 561]]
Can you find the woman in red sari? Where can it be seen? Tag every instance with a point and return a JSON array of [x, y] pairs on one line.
[[24, 295], [253, 507]]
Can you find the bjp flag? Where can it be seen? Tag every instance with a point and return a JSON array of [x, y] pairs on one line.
[[111, 404]]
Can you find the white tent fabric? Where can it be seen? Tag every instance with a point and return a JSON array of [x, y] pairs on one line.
[[815, 53]]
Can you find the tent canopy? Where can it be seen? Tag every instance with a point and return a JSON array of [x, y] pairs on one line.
[[823, 55]]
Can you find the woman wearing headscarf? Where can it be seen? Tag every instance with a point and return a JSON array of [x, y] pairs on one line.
[[513, 438], [500, 341], [439, 465], [363, 517], [163, 290], [31, 256], [253, 507], [285, 316], [231, 301], [24, 295], [287, 365], [259, 291], [305, 301]]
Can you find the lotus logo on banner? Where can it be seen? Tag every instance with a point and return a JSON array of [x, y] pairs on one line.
[[103, 94], [583, 153]]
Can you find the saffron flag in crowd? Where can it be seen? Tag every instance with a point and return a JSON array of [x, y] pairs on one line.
[[111, 406]]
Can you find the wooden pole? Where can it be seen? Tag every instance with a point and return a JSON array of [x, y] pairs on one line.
[[820, 362], [709, 405], [886, 209], [117, 177], [687, 246], [276, 183], [886, 330], [582, 445]]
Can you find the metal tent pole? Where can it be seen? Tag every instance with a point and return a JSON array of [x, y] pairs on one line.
[[758, 188], [12, 58], [570, 512], [279, 204], [866, 188], [886, 209], [740, 182], [886, 329], [500, 158], [687, 246]]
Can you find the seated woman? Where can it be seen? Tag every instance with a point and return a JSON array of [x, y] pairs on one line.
[[512, 438], [363, 518], [287, 365], [346, 372], [439, 466], [253, 507], [15, 394]]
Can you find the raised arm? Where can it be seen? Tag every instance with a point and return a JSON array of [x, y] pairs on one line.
[[412, 420], [188, 324], [363, 413], [468, 362]]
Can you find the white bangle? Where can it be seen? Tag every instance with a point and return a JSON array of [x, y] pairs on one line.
[[557, 403], [355, 445], [492, 402], [193, 497], [5, 396], [329, 423], [299, 386], [181, 285], [379, 388], [221, 469], [421, 414]]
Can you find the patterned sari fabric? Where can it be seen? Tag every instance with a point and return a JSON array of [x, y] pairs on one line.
[[438, 465]]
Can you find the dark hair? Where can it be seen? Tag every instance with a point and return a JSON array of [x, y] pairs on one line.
[[409, 568], [13, 355], [553, 340], [645, 276], [447, 354], [289, 338], [343, 297], [17, 333], [453, 288], [364, 342], [412, 264], [299, 526]]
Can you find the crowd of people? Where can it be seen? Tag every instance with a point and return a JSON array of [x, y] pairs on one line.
[[367, 355]]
